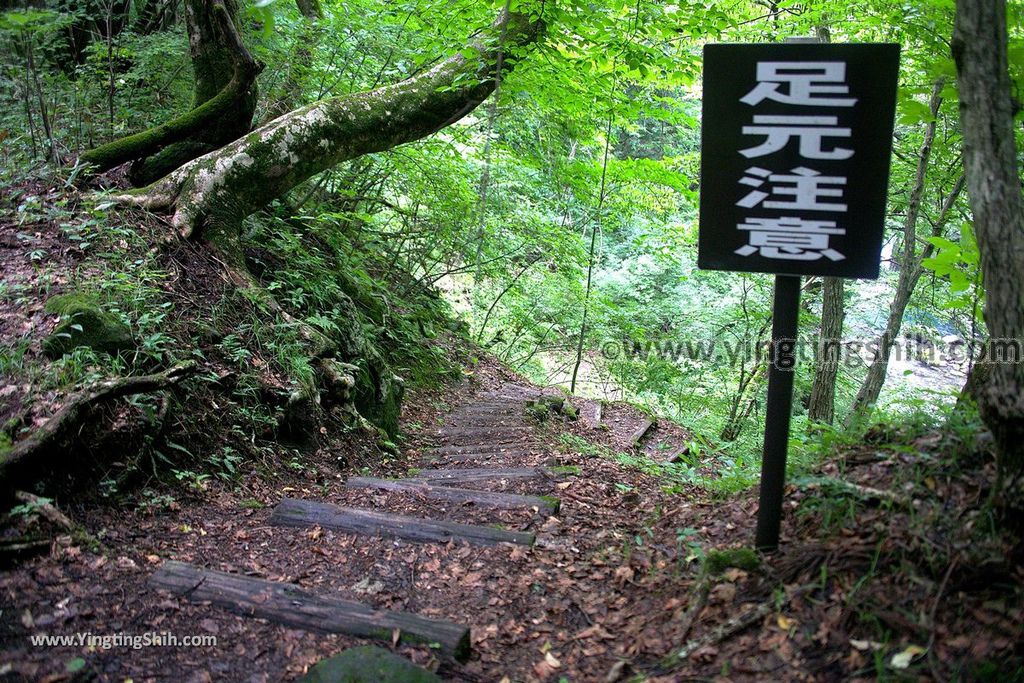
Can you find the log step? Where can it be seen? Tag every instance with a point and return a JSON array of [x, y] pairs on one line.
[[478, 474], [641, 431], [488, 430], [491, 409], [472, 457], [490, 421], [471, 436], [288, 604], [483, 498], [300, 513], [490, 448]]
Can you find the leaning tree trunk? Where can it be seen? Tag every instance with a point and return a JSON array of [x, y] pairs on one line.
[[209, 196], [993, 186], [823, 391], [224, 100]]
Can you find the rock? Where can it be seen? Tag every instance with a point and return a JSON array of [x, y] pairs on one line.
[[368, 664], [84, 323]]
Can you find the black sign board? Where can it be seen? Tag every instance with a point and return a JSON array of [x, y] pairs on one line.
[[796, 140]]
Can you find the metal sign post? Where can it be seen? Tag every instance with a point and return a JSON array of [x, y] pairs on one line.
[[785, 319], [796, 141]]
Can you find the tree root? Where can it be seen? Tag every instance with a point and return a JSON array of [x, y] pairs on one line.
[[731, 627], [53, 436], [47, 511]]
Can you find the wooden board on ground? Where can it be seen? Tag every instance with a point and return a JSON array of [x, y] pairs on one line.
[[483, 458], [478, 474], [487, 432], [288, 604], [642, 430], [495, 448], [482, 498], [301, 513]]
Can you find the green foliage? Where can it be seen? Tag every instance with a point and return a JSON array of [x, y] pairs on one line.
[[960, 262]]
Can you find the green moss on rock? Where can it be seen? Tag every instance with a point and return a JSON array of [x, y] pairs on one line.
[[85, 323], [368, 664], [741, 558]]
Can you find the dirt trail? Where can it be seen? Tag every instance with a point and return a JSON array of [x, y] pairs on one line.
[[559, 600]]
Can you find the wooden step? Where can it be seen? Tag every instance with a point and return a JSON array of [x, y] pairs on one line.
[[493, 448], [491, 409], [478, 474], [457, 430], [288, 604], [476, 438], [489, 421], [509, 501], [301, 513], [481, 457], [640, 432]]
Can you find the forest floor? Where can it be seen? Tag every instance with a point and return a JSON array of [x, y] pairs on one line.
[[869, 582]]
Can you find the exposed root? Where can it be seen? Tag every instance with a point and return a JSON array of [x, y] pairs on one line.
[[24, 458]]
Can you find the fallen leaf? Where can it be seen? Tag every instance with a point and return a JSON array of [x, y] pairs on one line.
[[902, 660]]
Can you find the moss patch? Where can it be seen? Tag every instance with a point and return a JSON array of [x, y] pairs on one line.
[[742, 558], [368, 664], [85, 323]]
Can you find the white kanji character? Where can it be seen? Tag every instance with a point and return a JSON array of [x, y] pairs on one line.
[[809, 129], [804, 185], [791, 239], [807, 84]]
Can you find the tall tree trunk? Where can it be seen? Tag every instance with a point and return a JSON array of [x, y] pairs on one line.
[[823, 390], [910, 270], [209, 196], [224, 100], [994, 188]]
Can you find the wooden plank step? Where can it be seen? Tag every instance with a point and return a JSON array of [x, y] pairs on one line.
[[288, 604], [492, 409], [492, 499], [300, 513], [484, 432], [471, 438], [478, 474], [478, 457], [498, 420], [641, 431], [496, 448]]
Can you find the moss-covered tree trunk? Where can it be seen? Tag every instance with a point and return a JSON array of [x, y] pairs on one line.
[[209, 196], [224, 100]]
